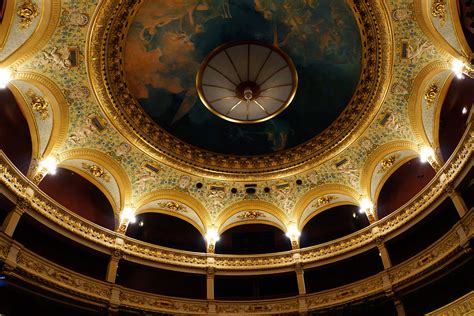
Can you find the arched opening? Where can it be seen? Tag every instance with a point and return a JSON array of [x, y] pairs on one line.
[[331, 224], [452, 121], [80, 196], [402, 185], [15, 137], [466, 16], [168, 231], [253, 239]]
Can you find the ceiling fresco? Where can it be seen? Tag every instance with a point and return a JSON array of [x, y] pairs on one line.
[[167, 42], [391, 124]]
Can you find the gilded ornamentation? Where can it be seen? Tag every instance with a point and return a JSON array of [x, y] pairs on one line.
[[27, 11], [431, 94], [39, 104], [324, 200], [250, 215], [438, 10], [387, 163], [96, 171], [172, 206], [106, 43]]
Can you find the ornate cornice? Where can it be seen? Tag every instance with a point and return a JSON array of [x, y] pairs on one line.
[[34, 269], [105, 41], [357, 242]]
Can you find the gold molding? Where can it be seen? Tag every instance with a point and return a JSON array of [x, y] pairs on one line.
[[406, 216], [49, 20], [319, 191], [245, 205], [97, 184], [59, 107], [453, 9], [423, 17], [385, 177], [173, 195], [438, 108], [30, 119], [7, 22], [113, 167], [106, 29], [39, 271], [376, 157], [415, 101]]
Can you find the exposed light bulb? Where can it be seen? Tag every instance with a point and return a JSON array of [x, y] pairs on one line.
[[5, 77], [212, 235], [50, 164], [457, 67], [365, 203], [128, 214], [425, 154], [293, 232], [464, 110]]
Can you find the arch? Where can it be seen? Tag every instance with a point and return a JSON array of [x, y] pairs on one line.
[[307, 199], [415, 101], [335, 221], [410, 174], [77, 193], [251, 205], [20, 147], [437, 114], [58, 105], [48, 20], [424, 19], [269, 219], [182, 198], [73, 159]]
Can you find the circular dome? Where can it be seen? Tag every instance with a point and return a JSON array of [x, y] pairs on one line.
[[247, 82], [149, 83]]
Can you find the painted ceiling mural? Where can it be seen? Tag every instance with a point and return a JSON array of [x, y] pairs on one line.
[[391, 124], [168, 40]]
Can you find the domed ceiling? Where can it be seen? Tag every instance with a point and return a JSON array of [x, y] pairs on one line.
[[116, 84], [167, 41]]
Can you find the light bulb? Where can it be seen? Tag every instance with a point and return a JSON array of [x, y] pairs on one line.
[[5, 77], [293, 232], [50, 164], [457, 67], [212, 235], [128, 214], [426, 153]]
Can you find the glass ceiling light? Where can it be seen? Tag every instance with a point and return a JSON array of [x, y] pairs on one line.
[[5, 77], [426, 153], [128, 214], [247, 82], [50, 164]]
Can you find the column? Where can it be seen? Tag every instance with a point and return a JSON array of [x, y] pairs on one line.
[[387, 263], [113, 266], [457, 199], [210, 284], [399, 307], [12, 219]]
